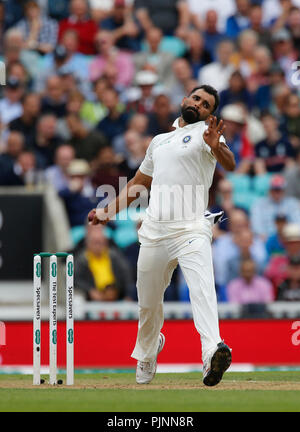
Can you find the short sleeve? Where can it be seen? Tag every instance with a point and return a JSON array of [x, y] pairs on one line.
[[146, 166]]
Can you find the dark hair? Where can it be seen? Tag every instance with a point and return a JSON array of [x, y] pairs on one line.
[[266, 113], [294, 260], [255, 5], [28, 95], [210, 90]]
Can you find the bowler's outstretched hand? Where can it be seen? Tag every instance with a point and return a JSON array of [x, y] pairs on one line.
[[93, 219], [213, 132]]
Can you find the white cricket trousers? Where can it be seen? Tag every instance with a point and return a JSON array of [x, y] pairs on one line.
[[159, 255]]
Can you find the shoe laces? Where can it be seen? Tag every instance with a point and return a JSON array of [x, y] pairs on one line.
[[145, 366]]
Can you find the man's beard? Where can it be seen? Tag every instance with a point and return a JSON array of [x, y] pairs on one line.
[[190, 114]]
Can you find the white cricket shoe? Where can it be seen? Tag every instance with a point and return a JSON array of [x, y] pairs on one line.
[[215, 366], [145, 371]]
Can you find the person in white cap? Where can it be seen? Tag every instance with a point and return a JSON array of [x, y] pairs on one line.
[[178, 168]]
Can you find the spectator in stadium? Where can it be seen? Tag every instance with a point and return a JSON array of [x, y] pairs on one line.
[[13, 47], [39, 31], [249, 287], [245, 243], [115, 122], [256, 24], [293, 25], [275, 243], [54, 99], [275, 151], [65, 59], [85, 142], [69, 83], [140, 99], [280, 94], [218, 73], [291, 121], [13, 50], [227, 247], [10, 105], [93, 111], [85, 27], [280, 19], [236, 136], [126, 32], [236, 92], [161, 118], [109, 55], [262, 222], [172, 20], [254, 128], [292, 176], [46, 140], [57, 174], [111, 75], [239, 21], [79, 196], [51, 66], [289, 289], [197, 55], [135, 153], [244, 58], [279, 90], [198, 12], [17, 70], [183, 75], [14, 147], [263, 96], [13, 12], [261, 76], [107, 170], [154, 59], [57, 10], [27, 121], [75, 59], [102, 272], [211, 34], [101, 9], [74, 102], [285, 53], [276, 270], [22, 173], [137, 123]]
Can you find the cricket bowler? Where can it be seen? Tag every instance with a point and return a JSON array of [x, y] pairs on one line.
[[178, 170]]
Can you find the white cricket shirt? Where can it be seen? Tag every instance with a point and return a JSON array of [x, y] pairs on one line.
[[182, 167]]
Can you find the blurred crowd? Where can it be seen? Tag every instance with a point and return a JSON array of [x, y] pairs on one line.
[[90, 82]]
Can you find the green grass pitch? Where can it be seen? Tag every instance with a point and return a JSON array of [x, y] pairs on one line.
[[180, 392]]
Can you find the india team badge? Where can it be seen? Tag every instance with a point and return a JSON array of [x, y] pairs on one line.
[[186, 139]]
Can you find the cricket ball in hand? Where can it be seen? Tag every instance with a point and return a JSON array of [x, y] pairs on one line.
[[91, 215]]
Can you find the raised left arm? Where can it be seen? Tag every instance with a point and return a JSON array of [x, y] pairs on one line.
[[220, 150]]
